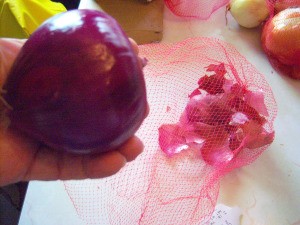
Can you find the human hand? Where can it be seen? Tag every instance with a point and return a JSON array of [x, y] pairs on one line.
[[23, 159]]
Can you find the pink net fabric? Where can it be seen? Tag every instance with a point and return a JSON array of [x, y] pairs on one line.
[[198, 9], [180, 189]]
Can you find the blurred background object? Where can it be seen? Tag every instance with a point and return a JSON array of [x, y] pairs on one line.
[[69, 4], [141, 20], [19, 18]]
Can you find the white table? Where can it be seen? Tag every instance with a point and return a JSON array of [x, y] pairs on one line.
[[267, 191]]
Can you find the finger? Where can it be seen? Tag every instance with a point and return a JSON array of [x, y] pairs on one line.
[[148, 110], [16, 154], [103, 166], [142, 60], [134, 46], [9, 49], [53, 165], [132, 148], [15, 40]]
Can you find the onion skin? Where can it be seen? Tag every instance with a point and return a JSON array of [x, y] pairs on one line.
[[77, 85], [281, 5], [281, 42]]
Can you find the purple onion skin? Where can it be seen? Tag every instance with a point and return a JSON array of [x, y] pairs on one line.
[[76, 85]]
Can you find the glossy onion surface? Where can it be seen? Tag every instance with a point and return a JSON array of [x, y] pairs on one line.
[[281, 41], [77, 85]]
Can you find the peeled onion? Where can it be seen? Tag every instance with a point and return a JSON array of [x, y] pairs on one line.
[[249, 13], [77, 85], [281, 41]]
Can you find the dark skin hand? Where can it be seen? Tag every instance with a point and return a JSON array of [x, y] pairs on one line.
[[23, 159]]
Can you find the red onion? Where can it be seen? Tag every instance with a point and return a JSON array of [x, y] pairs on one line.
[[281, 43], [77, 85]]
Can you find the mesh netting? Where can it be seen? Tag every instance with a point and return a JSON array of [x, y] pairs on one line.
[[199, 9], [180, 188]]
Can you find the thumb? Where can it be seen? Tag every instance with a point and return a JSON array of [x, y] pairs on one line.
[[9, 49]]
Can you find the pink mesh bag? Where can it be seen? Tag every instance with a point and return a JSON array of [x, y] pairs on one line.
[[173, 182], [198, 9]]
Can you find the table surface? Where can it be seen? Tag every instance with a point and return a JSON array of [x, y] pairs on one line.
[[267, 191]]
